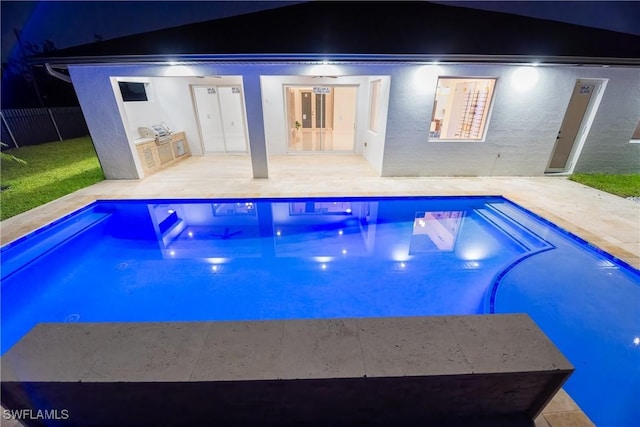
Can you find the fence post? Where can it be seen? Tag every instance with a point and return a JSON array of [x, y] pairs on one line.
[[13, 138], [55, 125]]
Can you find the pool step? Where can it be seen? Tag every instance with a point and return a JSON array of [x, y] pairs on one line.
[[511, 227], [25, 250]]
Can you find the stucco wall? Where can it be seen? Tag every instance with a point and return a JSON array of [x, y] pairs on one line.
[[171, 103], [104, 112], [100, 109], [519, 140], [607, 148], [522, 126]]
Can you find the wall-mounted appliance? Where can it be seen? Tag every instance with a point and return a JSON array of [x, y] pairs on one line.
[[133, 91]]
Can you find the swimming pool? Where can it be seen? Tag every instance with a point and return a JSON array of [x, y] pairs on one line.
[[251, 259]]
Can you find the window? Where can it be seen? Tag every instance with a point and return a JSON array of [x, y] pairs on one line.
[[461, 108], [373, 106], [636, 134]]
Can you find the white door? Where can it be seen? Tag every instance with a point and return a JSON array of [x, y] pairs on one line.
[[564, 147], [220, 112], [208, 110], [232, 113]]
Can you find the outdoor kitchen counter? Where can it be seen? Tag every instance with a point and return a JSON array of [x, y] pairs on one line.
[[154, 157], [140, 141]]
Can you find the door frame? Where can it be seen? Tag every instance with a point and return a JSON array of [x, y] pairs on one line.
[[585, 125]]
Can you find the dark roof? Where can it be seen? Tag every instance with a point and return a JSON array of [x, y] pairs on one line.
[[367, 30]]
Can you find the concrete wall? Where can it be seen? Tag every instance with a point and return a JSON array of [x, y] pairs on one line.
[[519, 140]]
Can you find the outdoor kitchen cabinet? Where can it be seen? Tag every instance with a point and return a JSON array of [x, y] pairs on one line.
[[154, 156]]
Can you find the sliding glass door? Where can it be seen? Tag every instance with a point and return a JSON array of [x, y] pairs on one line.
[[321, 118]]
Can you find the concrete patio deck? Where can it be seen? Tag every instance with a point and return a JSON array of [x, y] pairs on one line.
[[609, 222]]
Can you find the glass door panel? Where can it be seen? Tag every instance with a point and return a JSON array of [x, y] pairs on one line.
[[321, 118]]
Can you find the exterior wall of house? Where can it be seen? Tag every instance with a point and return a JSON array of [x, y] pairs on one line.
[[171, 103], [607, 148], [519, 140], [99, 106], [273, 120], [104, 110], [522, 127]]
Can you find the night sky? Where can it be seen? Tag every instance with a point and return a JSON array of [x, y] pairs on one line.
[[622, 16], [69, 23]]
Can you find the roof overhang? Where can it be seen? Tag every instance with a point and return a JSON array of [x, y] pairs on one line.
[[193, 59]]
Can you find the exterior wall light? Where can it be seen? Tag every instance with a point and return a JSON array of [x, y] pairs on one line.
[[524, 78], [425, 78], [179, 71], [325, 70]]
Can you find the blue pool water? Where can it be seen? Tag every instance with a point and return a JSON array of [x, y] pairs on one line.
[[163, 260]]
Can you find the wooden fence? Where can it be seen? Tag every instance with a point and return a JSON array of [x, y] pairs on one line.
[[32, 126]]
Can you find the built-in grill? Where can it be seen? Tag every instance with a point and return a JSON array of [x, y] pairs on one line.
[[160, 132], [163, 139]]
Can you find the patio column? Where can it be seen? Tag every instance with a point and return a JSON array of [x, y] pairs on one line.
[[255, 123]]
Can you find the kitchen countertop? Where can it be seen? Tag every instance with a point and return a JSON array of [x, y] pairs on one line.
[[139, 141]]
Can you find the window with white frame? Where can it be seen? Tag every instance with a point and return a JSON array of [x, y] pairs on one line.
[[373, 106], [461, 108]]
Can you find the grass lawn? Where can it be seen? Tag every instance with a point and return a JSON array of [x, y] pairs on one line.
[[620, 185], [52, 171]]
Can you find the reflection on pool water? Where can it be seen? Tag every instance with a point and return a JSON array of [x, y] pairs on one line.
[[168, 260]]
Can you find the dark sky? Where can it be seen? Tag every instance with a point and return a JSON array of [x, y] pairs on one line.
[[69, 23], [622, 16]]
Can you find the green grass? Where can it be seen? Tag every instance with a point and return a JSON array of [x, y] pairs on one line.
[[620, 185], [51, 171]]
